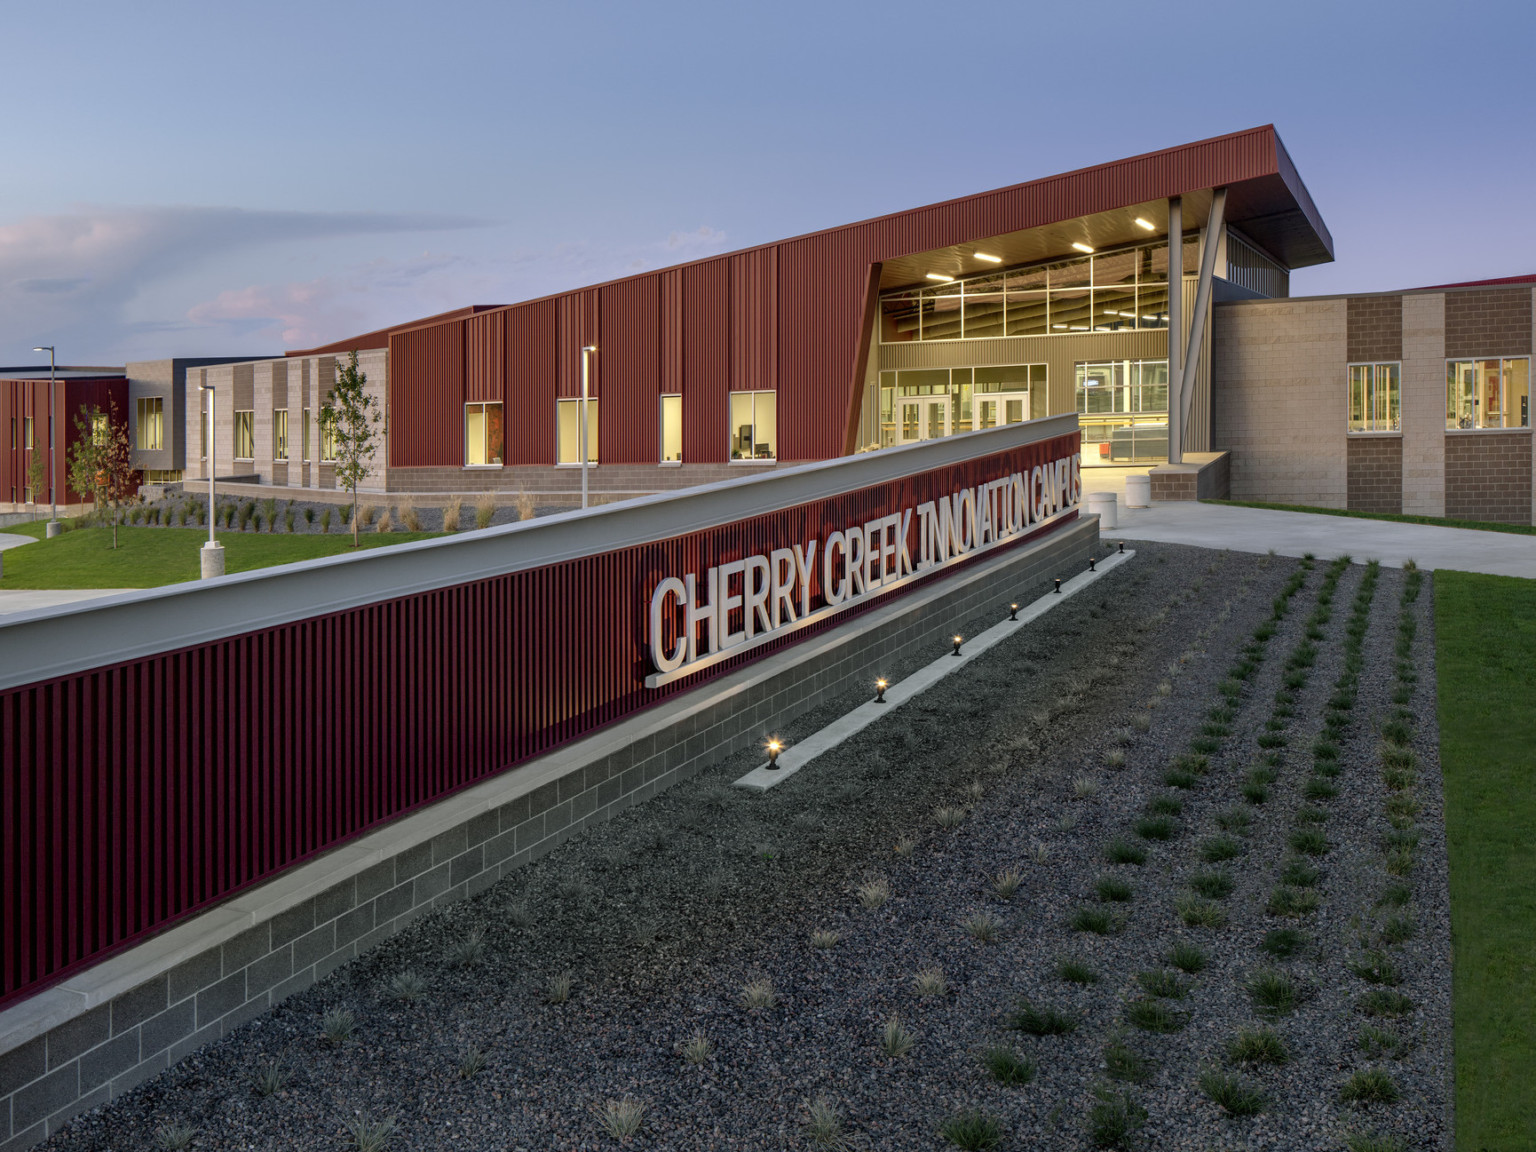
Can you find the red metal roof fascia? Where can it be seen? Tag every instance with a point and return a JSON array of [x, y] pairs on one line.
[[1218, 161], [1494, 283], [379, 337]]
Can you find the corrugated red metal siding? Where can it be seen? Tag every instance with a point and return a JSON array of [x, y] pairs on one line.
[[134, 794], [426, 395], [576, 326], [531, 348], [485, 358], [630, 415], [706, 331]]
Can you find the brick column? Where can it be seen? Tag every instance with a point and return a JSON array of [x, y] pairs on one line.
[[1423, 383]]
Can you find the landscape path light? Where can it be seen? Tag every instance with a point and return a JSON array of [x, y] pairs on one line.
[[880, 687], [957, 644], [1013, 611], [1057, 589], [775, 746], [1092, 560], [1122, 545]]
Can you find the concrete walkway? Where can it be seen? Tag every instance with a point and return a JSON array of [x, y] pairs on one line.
[[1295, 533]]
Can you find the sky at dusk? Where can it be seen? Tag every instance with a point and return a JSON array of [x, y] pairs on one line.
[[212, 179]]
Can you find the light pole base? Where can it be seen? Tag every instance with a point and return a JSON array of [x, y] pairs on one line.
[[212, 557], [55, 528]]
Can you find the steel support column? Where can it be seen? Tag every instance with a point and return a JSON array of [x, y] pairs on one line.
[[1213, 226], [1175, 327]]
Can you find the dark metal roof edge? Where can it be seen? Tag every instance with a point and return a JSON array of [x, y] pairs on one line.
[[1298, 189]]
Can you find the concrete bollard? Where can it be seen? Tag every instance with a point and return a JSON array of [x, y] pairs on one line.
[[54, 528], [1138, 491], [1105, 506], [212, 558]]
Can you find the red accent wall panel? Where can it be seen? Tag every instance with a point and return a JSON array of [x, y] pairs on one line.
[[426, 395], [530, 421], [630, 415], [485, 357], [706, 331], [577, 325], [134, 794], [755, 320]]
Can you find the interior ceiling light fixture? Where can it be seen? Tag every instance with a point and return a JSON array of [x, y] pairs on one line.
[[939, 276], [1147, 224], [1080, 246], [990, 259]]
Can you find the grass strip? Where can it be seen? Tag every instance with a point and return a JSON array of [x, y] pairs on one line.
[[1485, 649], [1397, 517]]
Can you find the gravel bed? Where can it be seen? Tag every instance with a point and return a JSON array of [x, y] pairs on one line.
[[317, 517], [1049, 746]]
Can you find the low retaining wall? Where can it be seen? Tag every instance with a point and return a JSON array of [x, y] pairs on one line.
[[107, 1029], [1202, 476]]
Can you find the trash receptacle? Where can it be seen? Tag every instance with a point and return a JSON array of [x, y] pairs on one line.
[[1138, 491], [1104, 505]]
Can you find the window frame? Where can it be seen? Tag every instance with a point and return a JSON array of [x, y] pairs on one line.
[[730, 431], [304, 449], [249, 423], [661, 427], [485, 446], [1348, 400], [1478, 429], [280, 435], [28, 433], [594, 430], [141, 414]]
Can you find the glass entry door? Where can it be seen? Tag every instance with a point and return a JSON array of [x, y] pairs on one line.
[[994, 408], [923, 418]]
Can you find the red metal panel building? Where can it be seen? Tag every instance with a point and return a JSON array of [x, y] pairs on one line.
[[23, 399]]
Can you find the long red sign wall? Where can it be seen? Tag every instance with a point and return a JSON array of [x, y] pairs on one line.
[[136, 794]]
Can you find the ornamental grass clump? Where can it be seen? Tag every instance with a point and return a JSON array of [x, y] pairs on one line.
[[1217, 849], [1156, 827], [874, 893], [697, 1049], [1122, 1063], [1114, 1120], [1299, 873], [1370, 1086], [972, 1130], [1035, 1020], [407, 986], [1287, 901], [557, 989], [1112, 890], [758, 993], [270, 1077], [1099, 921], [1165, 805], [824, 938], [1234, 1095], [1007, 882], [371, 1135], [895, 1039], [982, 927], [1162, 983], [930, 982], [1237, 820], [1154, 1016], [1199, 913], [620, 1119], [1075, 971], [1375, 1040], [823, 1122], [1374, 1142], [1257, 1046], [949, 818], [1215, 883], [1273, 992], [1376, 968], [1310, 841], [1120, 851], [338, 1025], [1187, 957], [1398, 928], [1384, 1003], [172, 1137], [1007, 1067]]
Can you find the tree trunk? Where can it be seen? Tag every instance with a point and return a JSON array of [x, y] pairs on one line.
[[354, 518]]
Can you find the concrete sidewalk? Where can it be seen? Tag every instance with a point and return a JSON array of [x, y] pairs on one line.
[[1295, 533], [27, 599]]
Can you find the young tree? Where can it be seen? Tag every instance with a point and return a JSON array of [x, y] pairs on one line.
[[354, 426], [37, 477], [100, 462]]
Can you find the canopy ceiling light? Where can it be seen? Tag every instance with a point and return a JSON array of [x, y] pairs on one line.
[[1080, 246], [940, 277], [1147, 224], [988, 258]]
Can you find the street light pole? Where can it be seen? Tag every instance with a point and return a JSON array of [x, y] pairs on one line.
[[212, 553], [586, 376], [53, 464]]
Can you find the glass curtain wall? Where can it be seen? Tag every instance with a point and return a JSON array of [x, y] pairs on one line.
[[1122, 408], [924, 403], [1123, 290]]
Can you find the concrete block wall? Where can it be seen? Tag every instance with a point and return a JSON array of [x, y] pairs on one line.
[[1375, 473], [102, 1032], [1280, 405], [1488, 476], [1423, 410]]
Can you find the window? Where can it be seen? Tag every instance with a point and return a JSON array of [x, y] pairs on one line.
[[245, 435], [280, 434], [101, 428], [304, 444], [327, 443], [150, 423], [754, 426], [1492, 393], [568, 431], [1375, 398], [1107, 292], [1123, 411], [26, 432], [482, 436], [671, 429]]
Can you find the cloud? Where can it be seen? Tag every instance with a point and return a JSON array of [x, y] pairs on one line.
[[72, 277]]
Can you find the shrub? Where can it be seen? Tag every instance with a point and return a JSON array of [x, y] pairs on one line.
[[1008, 1067], [1288, 901], [1273, 992], [1257, 1046], [1187, 956], [1038, 1021], [1197, 913], [621, 1119], [1384, 1003], [758, 993], [1156, 827], [1216, 884], [1114, 1120], [1076, 972], [1235, 1096], [895, 1039], [972, 1130], [1112, 890], [1219, 848], [1369, 1086], [1162, 983], [485, 510], [1122, 1063], [1310, 841], [1154, 1016], [1123, 852], [1100, 921]]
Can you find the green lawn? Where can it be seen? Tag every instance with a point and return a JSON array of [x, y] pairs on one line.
[[1486, 654], [148, 557], [1401, 518]]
